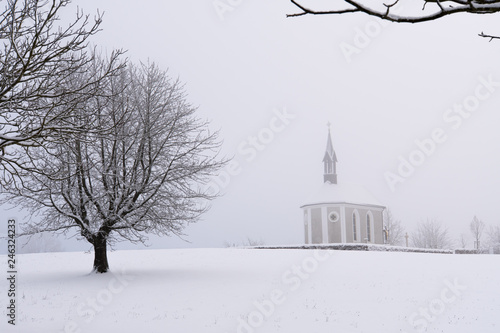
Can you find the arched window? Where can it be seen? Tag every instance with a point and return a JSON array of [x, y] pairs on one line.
[[368, 228], [354, 227], [328, 167]]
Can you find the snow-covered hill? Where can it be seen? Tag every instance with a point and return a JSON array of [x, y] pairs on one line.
[[250, 290]]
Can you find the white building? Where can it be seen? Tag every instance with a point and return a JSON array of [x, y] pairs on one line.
[[339, 212]]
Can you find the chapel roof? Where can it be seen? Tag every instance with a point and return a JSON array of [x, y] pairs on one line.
[[343, 193]]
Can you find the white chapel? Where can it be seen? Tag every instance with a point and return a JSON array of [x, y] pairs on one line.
[[340, 212]]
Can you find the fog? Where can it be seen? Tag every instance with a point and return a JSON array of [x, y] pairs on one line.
[[413, 109]]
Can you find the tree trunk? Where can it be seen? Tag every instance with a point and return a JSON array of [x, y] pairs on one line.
[[100, 254]]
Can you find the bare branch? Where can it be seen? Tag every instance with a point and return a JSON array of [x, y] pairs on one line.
[[488, 36], [432, 10], [37, 56]]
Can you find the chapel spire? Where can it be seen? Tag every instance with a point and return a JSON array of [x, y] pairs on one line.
[[330, 161]]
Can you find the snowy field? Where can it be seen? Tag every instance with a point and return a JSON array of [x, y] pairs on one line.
[[245, 290]]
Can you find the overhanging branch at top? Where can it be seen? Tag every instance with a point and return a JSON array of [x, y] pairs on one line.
[[453, 6], [431, 10]]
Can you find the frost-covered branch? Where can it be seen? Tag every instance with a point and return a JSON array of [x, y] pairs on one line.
[[37, 56], [387, 11], [430, 9]]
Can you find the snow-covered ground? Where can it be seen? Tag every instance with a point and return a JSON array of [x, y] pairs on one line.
[[250, 290]]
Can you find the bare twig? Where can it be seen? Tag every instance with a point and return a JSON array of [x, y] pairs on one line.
[[488, 36]]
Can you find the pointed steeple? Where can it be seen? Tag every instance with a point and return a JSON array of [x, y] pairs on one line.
[[330, 161]]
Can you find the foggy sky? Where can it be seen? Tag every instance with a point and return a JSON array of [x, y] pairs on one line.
[[271, 84]]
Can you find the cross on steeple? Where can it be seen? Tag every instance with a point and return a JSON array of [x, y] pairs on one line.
[[330, 161]]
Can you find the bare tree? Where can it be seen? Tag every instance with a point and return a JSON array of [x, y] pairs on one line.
[[462, 241], [477, 227], [494, 236], [430, 9], [37, 55], [144, 176], [432, 235], [394, 230]]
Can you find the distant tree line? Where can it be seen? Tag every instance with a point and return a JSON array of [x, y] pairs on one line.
[[432, 234]]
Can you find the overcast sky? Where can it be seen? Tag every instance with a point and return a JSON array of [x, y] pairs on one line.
[[383, 86]]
